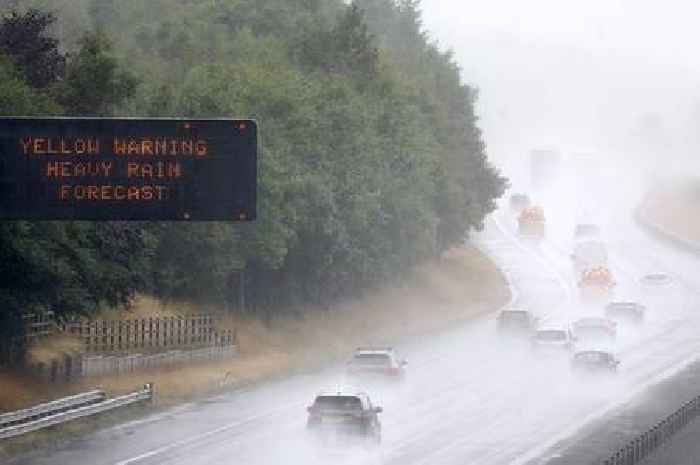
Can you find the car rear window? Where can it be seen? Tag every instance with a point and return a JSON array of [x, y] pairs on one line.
[[515, 315], [592, 357], [621, 308], [591, 322], [338, 403], [372, 359], [551, 335]]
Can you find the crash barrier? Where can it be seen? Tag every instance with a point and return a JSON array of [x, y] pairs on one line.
[[644, 444], [97, 365], [147, 333], [68, 409], [51, 408]]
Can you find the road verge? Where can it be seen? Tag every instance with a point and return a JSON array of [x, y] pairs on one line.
[[670, 212], [437, 296]]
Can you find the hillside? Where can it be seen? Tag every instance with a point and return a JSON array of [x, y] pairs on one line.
[[371, 163]]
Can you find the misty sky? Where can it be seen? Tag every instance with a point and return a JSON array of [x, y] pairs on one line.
[[578, 73]]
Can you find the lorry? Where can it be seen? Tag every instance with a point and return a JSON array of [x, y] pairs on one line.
[[596, 284], [531, 223]]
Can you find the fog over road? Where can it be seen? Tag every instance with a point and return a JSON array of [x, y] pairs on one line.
[[469, 396]]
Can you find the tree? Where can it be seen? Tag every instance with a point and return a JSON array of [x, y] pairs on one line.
[[102, 12], [69, 268], [18, 98], [371, 162], [346, 48], [95, 83], [24, 38]]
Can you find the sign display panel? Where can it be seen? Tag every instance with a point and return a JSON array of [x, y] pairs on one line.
[[128, 169]]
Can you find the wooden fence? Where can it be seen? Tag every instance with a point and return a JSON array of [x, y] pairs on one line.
[[38, 325], [75, 366], [59, 370], [149, 334], [98, 365]]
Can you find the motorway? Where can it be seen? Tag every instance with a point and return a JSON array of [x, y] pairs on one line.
[[469, 396]]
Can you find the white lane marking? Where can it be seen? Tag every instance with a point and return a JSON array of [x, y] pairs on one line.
[[193, 439], [507, 273], [196, 438], [539, 450], [563, 285], [153, 418], [547, 265]]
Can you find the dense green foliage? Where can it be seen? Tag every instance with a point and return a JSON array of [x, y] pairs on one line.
[[371, 158]]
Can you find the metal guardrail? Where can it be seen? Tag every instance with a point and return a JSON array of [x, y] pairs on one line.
[[644, 444], [51, 408], [636, 450], [63, 416]]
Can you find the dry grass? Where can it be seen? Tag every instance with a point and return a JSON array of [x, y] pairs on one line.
[[145, 307], [676, 207], [438, 295], [54, 348]]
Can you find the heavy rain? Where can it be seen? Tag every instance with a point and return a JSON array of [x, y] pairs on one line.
[[395, 232]]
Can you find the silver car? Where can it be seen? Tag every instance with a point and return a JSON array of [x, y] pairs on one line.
[[347, 413], [553, 340]]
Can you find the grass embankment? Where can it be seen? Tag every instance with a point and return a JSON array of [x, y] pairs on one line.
[[437, 295], [675, 207]]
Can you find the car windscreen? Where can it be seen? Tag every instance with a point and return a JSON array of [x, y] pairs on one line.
[[338, 403], [551, 335], [371, 359]]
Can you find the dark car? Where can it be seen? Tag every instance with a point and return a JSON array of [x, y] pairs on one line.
[[594, 361], [631, 312], [515, 321], [376, 361], [350, 413]]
